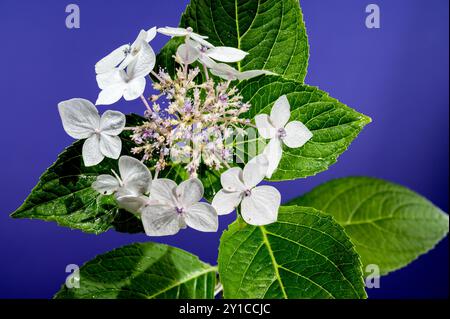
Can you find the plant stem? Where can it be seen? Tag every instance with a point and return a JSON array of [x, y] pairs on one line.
[[234, 143], [156, 76], [218, 289], [224, 162], [186, 65], [146, 104], [206, 71]]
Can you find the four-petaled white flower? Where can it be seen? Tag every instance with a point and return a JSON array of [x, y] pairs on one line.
[[129, 83], [125, 54], [259, 204], [81, 120], [178, 206], [188, 32], [130, 187], [276, 128], [227, 72], [192, 51]]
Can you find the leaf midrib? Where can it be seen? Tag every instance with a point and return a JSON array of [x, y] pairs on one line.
[[237, 32], [274, 262], [154, 295], [185, 280]]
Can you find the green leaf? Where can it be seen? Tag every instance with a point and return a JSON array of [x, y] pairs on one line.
[[271, 31], [147, 270], [389, 224], [333, 124], [64, 193], [305, 254]]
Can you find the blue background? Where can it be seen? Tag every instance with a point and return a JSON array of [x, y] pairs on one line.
[[398, 75]]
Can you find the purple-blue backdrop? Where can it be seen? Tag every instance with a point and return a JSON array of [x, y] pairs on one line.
[[398, 75]]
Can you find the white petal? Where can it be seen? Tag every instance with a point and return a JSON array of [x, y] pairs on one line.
[[110, 95], [207, 61], [252, 74], [226, 54], [201, 40], [144, 62], [160, 220], [142, 37], [281, 112], [79, 117], [136, 177], [196, 36], [273, 151], [189, 192], [255, 171], [134, 50], [111, 78], [265, 128], [188, 53], [225, 202], [193, 44], [173, 32], [106, 184], [232, 180], [112, 122], [91, 151], [147, 57], [163, 190], [224, 71], [297, 134], [124, 192], [110, 61], [110, 146], [202, 217], [151, 34], [127, 61], [134, 89], [261, 207], [132, 203]]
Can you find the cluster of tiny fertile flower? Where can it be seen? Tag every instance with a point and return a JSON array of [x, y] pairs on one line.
[[195, 126]]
